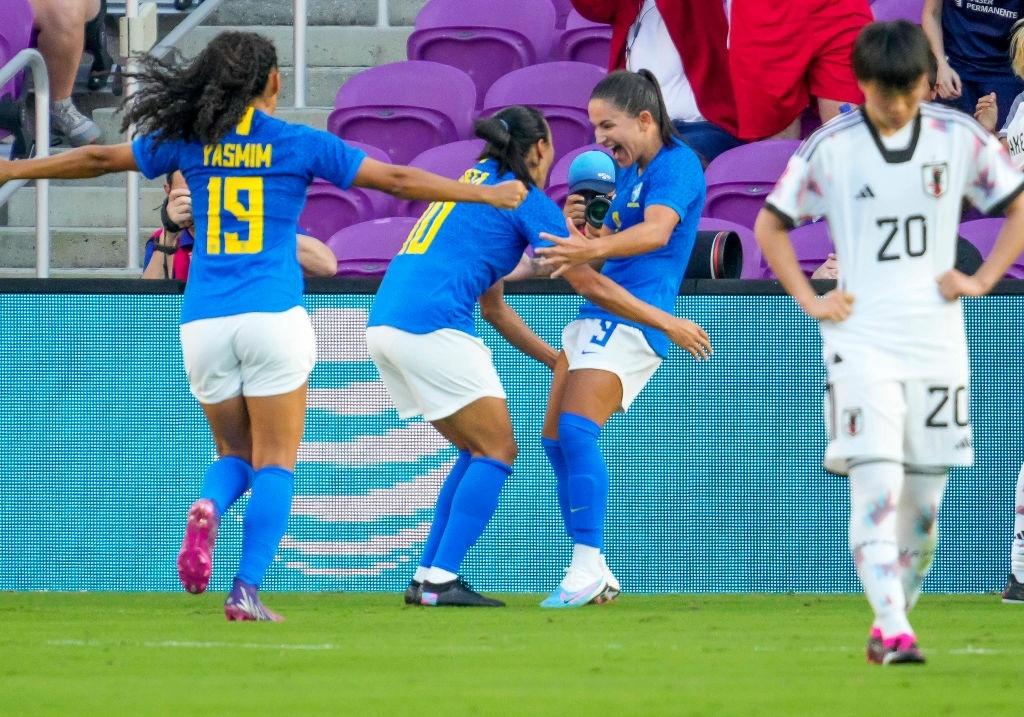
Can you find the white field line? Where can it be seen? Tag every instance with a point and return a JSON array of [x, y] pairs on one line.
[[968, 650], [193, 645]]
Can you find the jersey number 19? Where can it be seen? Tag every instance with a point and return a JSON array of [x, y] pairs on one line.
[[226, 194]]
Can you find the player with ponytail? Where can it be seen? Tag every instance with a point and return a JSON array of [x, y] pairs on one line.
[[421, 336]]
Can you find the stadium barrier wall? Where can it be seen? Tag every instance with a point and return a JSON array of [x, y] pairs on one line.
[[716, 478]]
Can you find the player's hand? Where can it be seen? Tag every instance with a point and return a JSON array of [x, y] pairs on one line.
[[574, 209], [507, 195], [567, 252], [690, 337], [835, 306], [947, 82], [954, 284], [987, 111], [179, 207], [828, 270]]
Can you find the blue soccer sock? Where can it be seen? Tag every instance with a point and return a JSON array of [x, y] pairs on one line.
[[588, 478], [553, 449], [225, 482], [266, 518], [443, 508], [472, 507]]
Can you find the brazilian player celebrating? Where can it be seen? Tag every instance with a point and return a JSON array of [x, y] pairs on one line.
[[246, 338]]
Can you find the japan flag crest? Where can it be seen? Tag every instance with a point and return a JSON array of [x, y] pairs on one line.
[[935, 178]]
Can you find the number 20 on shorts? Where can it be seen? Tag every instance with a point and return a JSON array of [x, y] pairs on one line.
[[226, 194]]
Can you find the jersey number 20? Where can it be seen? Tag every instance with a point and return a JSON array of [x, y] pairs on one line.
[[226, 195], [915, 238]]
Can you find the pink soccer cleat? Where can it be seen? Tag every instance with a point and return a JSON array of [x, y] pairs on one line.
[[244, 604], [195, 559]]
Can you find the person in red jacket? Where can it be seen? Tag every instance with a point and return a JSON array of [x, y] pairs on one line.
[[683, 43], [783, 53]]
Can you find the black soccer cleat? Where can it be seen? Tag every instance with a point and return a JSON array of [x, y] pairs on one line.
[[414, 592], [455, 593], [1013, 593]]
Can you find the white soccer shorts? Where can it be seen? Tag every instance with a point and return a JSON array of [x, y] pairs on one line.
[[252, 354], [918, 423], [610, 346], [435, 374]]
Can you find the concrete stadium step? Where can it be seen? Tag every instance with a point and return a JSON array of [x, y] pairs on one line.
[[109, 120], [318, 12], [83, 206], [326, 46], [70, 247]]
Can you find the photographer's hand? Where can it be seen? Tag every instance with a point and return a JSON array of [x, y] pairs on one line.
[[179, 207], [567, 252], [575, 209]]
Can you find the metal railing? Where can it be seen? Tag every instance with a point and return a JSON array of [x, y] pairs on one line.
[[37, 65]]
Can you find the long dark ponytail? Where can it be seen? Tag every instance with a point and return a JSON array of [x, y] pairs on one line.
[[634, 92], [205, 99], [509, 134]]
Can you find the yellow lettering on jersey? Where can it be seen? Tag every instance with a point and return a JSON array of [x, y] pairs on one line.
[[245, 124], [231, 155]]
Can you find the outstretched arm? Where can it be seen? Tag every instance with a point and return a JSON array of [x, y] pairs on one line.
[[652, 233], [81, 163], [509, 324], [607, 294], [411, 183]]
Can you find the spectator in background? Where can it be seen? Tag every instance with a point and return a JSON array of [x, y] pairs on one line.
[[683, 43], [987, 108], [61, 26], [783, 53], [169, 250], [970, 42]]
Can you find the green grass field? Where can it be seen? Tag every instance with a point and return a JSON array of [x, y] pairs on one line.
[[356, 654]]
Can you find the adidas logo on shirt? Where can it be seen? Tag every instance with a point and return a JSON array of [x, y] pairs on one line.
[[865, 193]]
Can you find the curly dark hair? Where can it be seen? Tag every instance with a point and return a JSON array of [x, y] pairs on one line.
[[202, 100]]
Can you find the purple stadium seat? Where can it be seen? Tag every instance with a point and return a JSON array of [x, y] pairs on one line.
[[448, 160], [15, 36], [480, 39], [366, 249], [812, 244], [405, 108], [584, 41], [561, 90], [558, 180], [740, 179], [982, 234], [563, 8], [330, 208], [888, 10], [753, 265]]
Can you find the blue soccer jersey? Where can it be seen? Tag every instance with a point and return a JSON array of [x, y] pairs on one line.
[[455, 252], [674, 179], [247, 193]]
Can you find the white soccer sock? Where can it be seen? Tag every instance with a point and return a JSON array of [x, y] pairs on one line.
[[440, 575], [874, 495], [1017, 551], [585, 568], [917, 530], [421, 574]]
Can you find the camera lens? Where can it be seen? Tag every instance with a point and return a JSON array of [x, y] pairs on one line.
[[596, 210]]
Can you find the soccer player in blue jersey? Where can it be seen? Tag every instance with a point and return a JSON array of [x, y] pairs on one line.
[[607, 358], [421, 337], [247, 340]]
